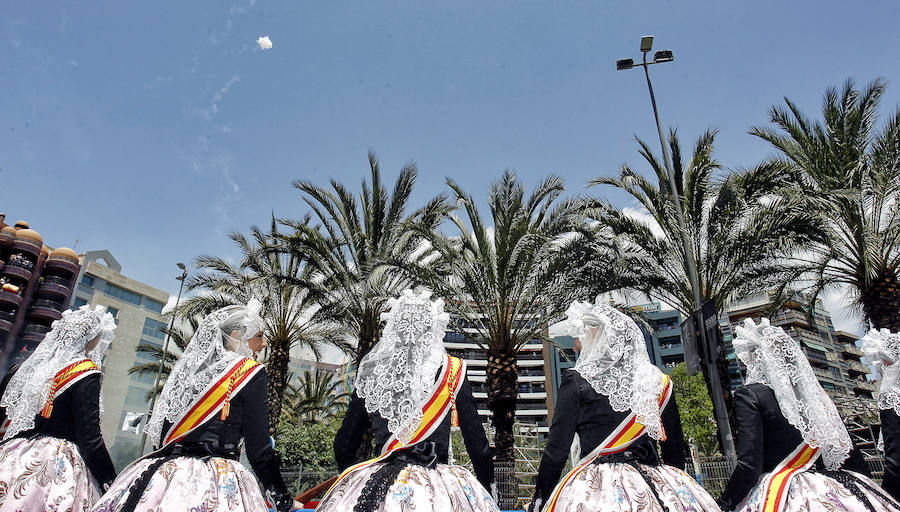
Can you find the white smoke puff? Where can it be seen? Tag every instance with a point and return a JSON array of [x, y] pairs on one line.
[[264, 43]]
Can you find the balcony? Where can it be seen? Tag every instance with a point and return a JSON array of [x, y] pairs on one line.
[[36, 328], [51, 289], [857, 367], [865, 385], [29, 246], [44, 312], [852, 350], [65, 265], [11, 269], [10, 298], [33, 337], [5, 326], [7, 239]]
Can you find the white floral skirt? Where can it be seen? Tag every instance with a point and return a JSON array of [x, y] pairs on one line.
[[44, 474], [619, 487], [443, 488], [811, 491], [188, 484]]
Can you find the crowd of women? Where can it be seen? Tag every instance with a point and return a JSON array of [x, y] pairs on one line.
[[615, 406]]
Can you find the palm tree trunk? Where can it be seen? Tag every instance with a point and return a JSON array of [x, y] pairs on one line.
[[502, 380], [881, 301], [276, 381]]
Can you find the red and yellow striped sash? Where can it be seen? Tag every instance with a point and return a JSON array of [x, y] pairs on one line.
[[66, 378], [618, 440], [779, 481], [213, 399], [433, 413]]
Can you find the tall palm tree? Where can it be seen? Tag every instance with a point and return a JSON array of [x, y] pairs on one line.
[[317, 397], [849, 173], [179, 336], [508, 282], [352, 240], [740, 235], [294, 315]]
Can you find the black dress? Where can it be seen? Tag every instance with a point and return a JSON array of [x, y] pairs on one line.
[[431, 451], [76, 418], [890, 428], [247, 420], [580, 409], [764, 439]]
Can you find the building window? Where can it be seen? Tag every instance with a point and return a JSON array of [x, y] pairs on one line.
[[114, 312], [87, 280], [78, 303], [153, 305], [154, 328], [123, 294]]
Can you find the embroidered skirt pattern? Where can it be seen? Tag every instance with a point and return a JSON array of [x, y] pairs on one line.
[[416, 487], [188, 483], [44, 474]]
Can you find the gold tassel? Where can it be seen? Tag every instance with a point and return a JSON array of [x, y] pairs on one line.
[[226, 409], [48, 409]]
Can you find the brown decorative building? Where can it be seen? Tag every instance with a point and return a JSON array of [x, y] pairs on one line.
[[36, 284]]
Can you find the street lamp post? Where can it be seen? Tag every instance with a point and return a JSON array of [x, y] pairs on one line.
[[718, 397], [162, 359]]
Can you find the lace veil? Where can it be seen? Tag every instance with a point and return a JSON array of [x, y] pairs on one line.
[[882, 349], [395, 378], [210, 352], [65, 344], [773, 358], [614, 361]]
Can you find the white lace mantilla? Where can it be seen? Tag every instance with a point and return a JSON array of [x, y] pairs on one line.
[[211, 351], [29, 388], [615, 362], [396, 377], [882, 350], [774, 359]]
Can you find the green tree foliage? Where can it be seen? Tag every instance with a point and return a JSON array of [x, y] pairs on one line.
[[308, 444], [848, 173], [696, 409]]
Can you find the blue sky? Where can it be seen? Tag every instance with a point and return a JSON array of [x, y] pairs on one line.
[[152, 129]]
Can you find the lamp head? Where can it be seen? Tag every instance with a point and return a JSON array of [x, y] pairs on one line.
[[646, 44], [624, 64], [181, 266], [663, 56]]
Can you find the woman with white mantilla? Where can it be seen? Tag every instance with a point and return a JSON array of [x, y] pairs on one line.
[[794, 452], [53, 456], [214, 397], [883, 349], [406, 386], [620, 405]]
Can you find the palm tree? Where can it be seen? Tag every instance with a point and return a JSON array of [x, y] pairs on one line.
[[294, 315], [316, 398], [177, 335], [740, 235], [509, 281], [353, 239], [849, 174]]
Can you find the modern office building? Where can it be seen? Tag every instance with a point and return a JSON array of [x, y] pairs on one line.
[[137, 308], [35, 285], [664, 334], [534, 402]]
